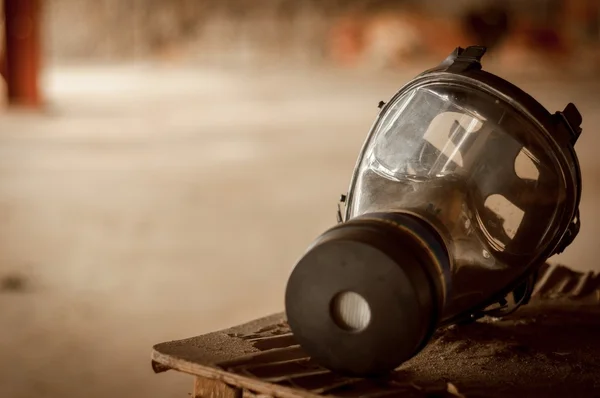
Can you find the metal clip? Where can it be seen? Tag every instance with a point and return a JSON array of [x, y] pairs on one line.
[[572, 119], [465, 59], [340, 219]]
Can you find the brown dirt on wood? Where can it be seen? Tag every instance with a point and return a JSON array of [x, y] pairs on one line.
[[540, 351]]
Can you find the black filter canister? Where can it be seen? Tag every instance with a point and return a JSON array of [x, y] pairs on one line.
[[368, 293]]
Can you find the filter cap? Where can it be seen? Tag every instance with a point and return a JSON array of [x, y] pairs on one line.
[[362, 300]]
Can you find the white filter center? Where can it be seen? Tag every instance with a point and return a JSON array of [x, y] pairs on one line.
[[350, 311]]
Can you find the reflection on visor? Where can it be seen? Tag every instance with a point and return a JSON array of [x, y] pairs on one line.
[[431, 137]]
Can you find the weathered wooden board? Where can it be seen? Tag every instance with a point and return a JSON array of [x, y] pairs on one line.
[[548, 348]]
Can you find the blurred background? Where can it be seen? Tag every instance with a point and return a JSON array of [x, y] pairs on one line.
[[163, 163]]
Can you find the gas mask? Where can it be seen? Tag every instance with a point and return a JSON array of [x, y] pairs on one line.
[[463, 188]]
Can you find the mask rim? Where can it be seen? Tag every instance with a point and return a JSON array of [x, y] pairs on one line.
[[522, 103]]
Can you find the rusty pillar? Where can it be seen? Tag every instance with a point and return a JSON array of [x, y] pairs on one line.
[[22, 51]]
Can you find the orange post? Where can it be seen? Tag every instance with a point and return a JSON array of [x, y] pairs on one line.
[[22, 51]]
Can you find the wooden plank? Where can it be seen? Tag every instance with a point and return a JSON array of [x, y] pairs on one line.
[[240, 380], [208, 349], [207, 355], [560, 281], [551, 344], [209, 388]]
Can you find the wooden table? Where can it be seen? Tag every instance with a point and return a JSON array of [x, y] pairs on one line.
[[549, 348]]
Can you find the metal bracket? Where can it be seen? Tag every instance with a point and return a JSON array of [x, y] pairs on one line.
[[572, 119], [342, 201], [462, 60]]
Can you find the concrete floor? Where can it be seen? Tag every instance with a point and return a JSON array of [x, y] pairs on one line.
[[151, 203]]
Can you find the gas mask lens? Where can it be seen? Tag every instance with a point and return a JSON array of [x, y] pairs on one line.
[[484, 174]]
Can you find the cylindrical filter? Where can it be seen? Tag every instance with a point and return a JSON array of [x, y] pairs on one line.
[[368, 293]]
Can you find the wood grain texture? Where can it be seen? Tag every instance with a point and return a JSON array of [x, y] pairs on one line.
[[550, 344], [210, 388]]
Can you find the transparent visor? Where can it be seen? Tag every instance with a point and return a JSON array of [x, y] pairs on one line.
[[466, 161]]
